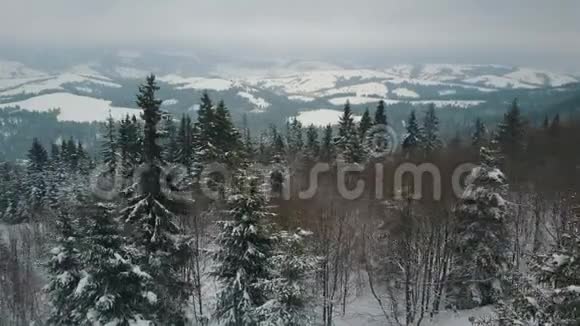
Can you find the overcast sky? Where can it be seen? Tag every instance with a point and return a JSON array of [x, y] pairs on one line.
[[540, 32]]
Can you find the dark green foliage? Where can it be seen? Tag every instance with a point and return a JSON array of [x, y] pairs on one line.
[[147, 101], [348, 142], [109, 146], [430, 136], [185, 142], [155, 232], [294, 137], [380, 114], [37, 157], [327, 147], [412, 140], [312, 144], [365, 124], [481, 249], [244, 247], [129, 144], [64, 268], [511, 132]]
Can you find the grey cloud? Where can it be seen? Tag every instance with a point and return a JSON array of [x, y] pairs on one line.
[[540, 28]]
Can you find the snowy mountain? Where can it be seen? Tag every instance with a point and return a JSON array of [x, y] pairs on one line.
[[293, 88]]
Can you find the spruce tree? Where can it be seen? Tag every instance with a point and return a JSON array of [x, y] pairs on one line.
[[244, 248], [412, 140], [36, 181], [156, 234], [365, 124], [290, 297], [430, 136], [294, 137], [206, 131], [380, 114], [482, 261], [185, 142], [511, 131], [130, 146], [171, 148], [64, 271], [37, 156], [312, 144], [327, 146], [109, 146], [278, 147], [227, 139], [111, 288], [551, 295], [348, 142], [147, 101], [248, 144]]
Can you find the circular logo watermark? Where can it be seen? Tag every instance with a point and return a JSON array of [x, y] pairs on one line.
[[381, 140]]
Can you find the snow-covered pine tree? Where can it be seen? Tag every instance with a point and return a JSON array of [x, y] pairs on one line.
[[481, 250], [430, 135], [365, 124], [247, 142], [290, 302], [557, 296], [294, 137], [227, 140], [327, 146], [205, 126], [84, 162], [111, 289], [36, 181], [109, 145], [164, 248], [244, 248], [64, 271], [170, 148], [185, 142], [380, 114], [312, 145], [130, 147], [412, 140], [348, 142], [277, 146]]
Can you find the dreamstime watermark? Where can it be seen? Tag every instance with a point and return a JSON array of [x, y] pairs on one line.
[[216, 178], [408, 180]]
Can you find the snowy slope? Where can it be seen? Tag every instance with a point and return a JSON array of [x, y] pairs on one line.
[[17, 70], [405, 92], [258, 102], [52, 83], [321, 117], [74, 107], [366, 89], [180, 82]]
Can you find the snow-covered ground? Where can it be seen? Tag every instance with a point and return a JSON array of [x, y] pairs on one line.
[[53, 83], [360, 90], [450, 103], [321, 117], [258, 102], [405, 92], [73, 107], [216, 84]]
